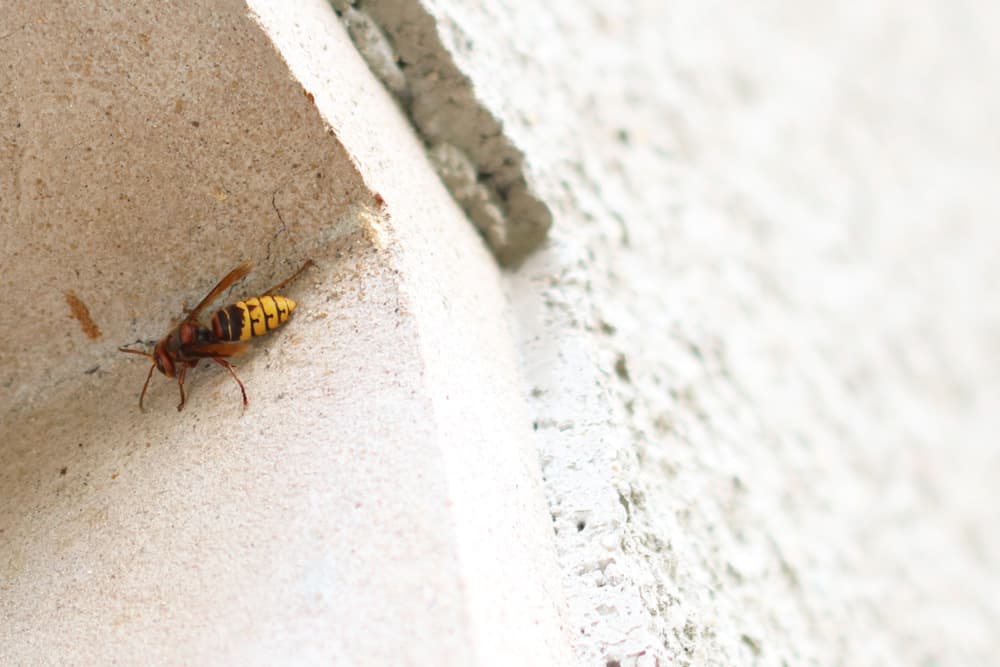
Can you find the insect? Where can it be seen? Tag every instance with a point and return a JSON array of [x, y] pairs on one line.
[[232, 327]]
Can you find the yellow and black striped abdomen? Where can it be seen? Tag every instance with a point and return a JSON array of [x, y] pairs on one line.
[[254, 317]]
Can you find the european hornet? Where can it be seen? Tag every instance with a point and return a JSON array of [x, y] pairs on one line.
[[231, 329]]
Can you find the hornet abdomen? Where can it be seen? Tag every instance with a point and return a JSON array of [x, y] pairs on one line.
[[256, 316]]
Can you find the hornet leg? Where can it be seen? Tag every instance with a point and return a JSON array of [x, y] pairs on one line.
[[180, 385], [229, 367]]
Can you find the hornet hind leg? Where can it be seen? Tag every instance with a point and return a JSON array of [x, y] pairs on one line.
[[229, 367]]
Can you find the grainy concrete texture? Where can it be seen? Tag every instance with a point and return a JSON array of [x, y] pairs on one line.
[[733, 401], [361, 511]]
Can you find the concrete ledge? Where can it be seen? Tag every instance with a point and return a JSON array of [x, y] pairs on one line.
[[379, 501]]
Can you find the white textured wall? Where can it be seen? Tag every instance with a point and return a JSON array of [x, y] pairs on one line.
[[761, 344], [764, 341]]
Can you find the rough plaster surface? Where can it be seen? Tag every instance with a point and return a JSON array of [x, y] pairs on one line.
[[361, 510], [419, 56], [761, 343]]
